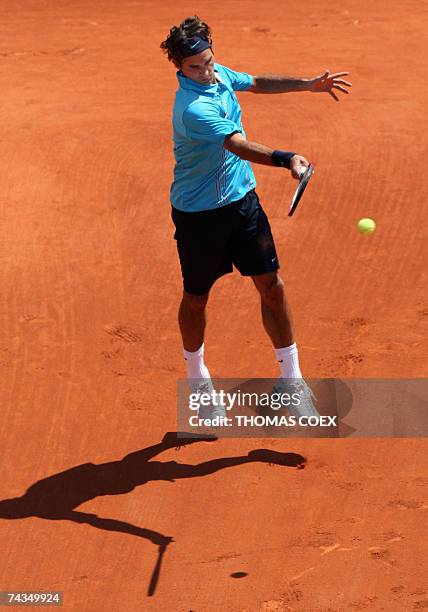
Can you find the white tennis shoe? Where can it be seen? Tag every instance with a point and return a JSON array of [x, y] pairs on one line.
[[297, 387], [215, 408]]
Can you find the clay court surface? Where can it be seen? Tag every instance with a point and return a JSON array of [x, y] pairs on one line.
[[90, 350]]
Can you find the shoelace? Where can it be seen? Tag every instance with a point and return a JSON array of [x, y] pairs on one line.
[[202, 388], [306, 391], [304, 388]]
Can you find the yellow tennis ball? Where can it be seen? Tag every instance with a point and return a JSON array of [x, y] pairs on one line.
[[366, 226]]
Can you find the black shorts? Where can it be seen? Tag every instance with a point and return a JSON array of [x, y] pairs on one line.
[[211, 242]]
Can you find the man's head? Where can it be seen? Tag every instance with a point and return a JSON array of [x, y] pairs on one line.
[[189, 47]]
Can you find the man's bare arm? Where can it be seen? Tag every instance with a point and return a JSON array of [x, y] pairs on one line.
[[271, 83], [275, 83], [258, 153]]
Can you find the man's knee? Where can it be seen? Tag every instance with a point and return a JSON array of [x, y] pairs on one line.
[[273, 292], [194, 303]]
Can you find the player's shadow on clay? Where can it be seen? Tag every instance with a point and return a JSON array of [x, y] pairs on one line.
[[57, 496]]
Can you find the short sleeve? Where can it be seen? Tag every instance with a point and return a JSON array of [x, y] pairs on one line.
[[204, 122], [239, 81]]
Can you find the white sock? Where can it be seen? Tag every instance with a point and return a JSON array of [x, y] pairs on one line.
[[196, 367], [288, 358]]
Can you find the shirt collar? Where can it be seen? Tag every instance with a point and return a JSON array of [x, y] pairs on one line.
[[189, 84]]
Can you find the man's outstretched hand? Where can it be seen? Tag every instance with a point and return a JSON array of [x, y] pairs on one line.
[[328, 82]]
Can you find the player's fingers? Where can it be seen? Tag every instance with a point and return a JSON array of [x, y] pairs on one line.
[[339, 74], [333, 95], [342, 82], [341, 88]]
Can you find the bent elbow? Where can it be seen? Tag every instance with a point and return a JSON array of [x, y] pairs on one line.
[[233, 142]]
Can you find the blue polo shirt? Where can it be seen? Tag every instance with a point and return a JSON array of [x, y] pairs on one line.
[[206, 175]]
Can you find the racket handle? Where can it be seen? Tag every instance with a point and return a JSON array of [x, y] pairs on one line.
[[301, 170]]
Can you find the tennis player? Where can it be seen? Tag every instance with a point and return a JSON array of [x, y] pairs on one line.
[[219, 221]]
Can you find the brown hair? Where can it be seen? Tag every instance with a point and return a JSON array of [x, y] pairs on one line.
[[192, 26]]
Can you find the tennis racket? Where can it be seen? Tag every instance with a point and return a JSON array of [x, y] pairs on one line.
[[305, 175]]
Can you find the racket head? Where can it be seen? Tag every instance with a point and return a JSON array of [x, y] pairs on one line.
[[304, 180]]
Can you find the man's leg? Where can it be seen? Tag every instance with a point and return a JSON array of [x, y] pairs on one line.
[[277, 321], [192, 321], [278, 324], [276, 314]]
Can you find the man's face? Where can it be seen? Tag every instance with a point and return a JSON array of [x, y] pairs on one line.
[[200, 67]]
